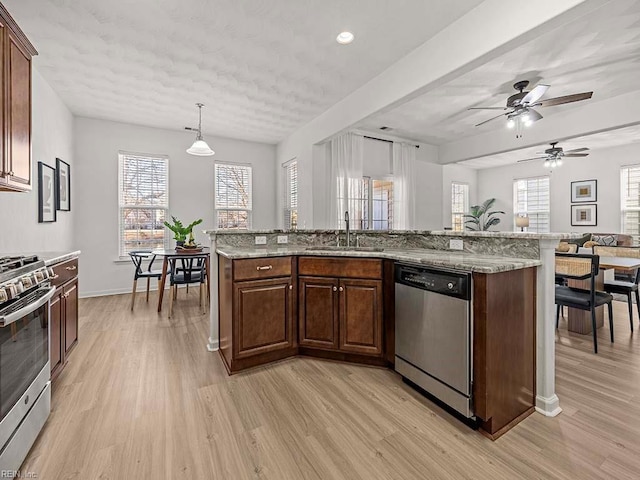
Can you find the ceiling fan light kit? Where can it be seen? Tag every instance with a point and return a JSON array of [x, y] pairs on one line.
[[519, 110], [200, 148], [553, 157]]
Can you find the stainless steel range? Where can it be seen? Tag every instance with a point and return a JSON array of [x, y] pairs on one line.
[[25, 386]]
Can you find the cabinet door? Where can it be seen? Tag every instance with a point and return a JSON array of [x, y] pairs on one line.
[[55, 333], [19, 110], [70, 314], [262, 318], [318, 312], [4, 158], [361, 316]]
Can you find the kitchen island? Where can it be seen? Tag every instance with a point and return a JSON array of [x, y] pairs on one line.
[[309, 298]]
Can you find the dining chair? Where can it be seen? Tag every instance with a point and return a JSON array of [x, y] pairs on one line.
[[625, 283], [579, 266], [138, 257], [186, 270]]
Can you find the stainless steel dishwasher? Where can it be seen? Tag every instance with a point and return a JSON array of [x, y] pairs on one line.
[[433, 333]]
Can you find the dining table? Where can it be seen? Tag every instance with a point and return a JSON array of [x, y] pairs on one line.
[[167, 254], [579, 321]]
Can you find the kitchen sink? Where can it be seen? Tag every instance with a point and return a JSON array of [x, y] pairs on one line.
[[334, 248]]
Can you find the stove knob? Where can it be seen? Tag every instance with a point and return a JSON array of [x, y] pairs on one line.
[[450, 285]]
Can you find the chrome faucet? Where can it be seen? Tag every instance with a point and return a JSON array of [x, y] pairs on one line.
[[346, 221]]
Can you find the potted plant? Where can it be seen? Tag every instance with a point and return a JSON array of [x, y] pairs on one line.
[[180, 232], [480, 218]]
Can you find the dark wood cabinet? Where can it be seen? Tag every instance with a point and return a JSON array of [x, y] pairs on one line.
[[262, 316], [15, 83], [257, 305], [361, 316], [63, 323], [342, 313], [318, 323]]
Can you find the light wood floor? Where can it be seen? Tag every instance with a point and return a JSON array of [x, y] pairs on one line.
[[141, 398]]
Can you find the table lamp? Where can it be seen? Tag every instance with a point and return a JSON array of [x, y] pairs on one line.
[[522, 222]]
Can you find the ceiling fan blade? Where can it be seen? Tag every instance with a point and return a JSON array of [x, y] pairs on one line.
[[531, 159], [535, 94], [576, 97], [576, 150], [492, 118], [488, 108], [576, 155], [533, 115]]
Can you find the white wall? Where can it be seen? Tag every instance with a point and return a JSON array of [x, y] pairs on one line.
[[602, 165], [457, 173], [52, 131], [190, 190]]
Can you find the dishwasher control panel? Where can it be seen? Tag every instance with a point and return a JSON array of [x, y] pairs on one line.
[[454, 284]]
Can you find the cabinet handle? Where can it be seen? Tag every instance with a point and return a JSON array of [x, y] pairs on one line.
[[66, 295], [55, 276], [265, 267], [11, 173], [290, 287], [335, 289], [71, 268], [341, 289]]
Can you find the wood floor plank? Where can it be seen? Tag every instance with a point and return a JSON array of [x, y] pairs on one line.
[[141, 397]]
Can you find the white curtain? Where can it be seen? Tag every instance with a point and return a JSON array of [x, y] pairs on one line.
[[404, 186], [345, 183]]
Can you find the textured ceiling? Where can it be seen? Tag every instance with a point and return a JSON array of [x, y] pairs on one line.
[[263, 68], [595, 142], [598, 52]]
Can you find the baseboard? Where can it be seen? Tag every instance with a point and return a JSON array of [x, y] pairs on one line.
[[549, 407], [122, 291]]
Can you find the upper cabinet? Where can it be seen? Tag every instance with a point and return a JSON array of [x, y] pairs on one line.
[[15, 113]]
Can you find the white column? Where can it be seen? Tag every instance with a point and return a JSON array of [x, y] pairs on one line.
[[214, 333], [547, 402]]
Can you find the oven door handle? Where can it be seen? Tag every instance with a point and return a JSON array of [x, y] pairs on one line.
[[32, 307]]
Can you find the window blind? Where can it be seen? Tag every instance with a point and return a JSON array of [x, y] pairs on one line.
[[233, 198], [630, 200], [143, 201], [459, 205], [290, 194], [531, 198]]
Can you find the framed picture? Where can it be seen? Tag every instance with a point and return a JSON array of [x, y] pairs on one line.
[[584, 215], [46, 193], [584, 191], [63, 185]]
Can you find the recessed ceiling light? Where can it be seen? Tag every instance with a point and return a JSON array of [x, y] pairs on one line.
[[345, 38]]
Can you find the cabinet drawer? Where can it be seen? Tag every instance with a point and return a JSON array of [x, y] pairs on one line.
[[65, 271], [342, 267], [256, 268]]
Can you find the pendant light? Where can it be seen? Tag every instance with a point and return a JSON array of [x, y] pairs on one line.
[[199, 147]]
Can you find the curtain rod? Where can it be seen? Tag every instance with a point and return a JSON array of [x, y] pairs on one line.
[[383, 140]]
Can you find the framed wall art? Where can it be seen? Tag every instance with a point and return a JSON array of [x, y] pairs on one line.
[[46, 193], [63, 185], [584, 191], [584, 215]]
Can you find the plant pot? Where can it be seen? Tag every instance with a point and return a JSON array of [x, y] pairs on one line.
[[179, 243]]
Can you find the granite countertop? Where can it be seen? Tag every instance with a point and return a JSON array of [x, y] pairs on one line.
[[449, 233], [437, 258], [52, 258]]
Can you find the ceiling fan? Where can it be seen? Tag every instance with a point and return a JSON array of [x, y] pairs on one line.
[[553, 156], [520, 105]]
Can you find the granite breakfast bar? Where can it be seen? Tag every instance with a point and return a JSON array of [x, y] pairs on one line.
[[484, 253]]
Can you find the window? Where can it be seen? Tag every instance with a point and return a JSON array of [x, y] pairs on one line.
[[143, 201], [370, 203], [233, 196], [531, 198], [459, 205], [630, 201], [290, 195]]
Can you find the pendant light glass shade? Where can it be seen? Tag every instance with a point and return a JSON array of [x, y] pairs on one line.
[[200, 148]]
